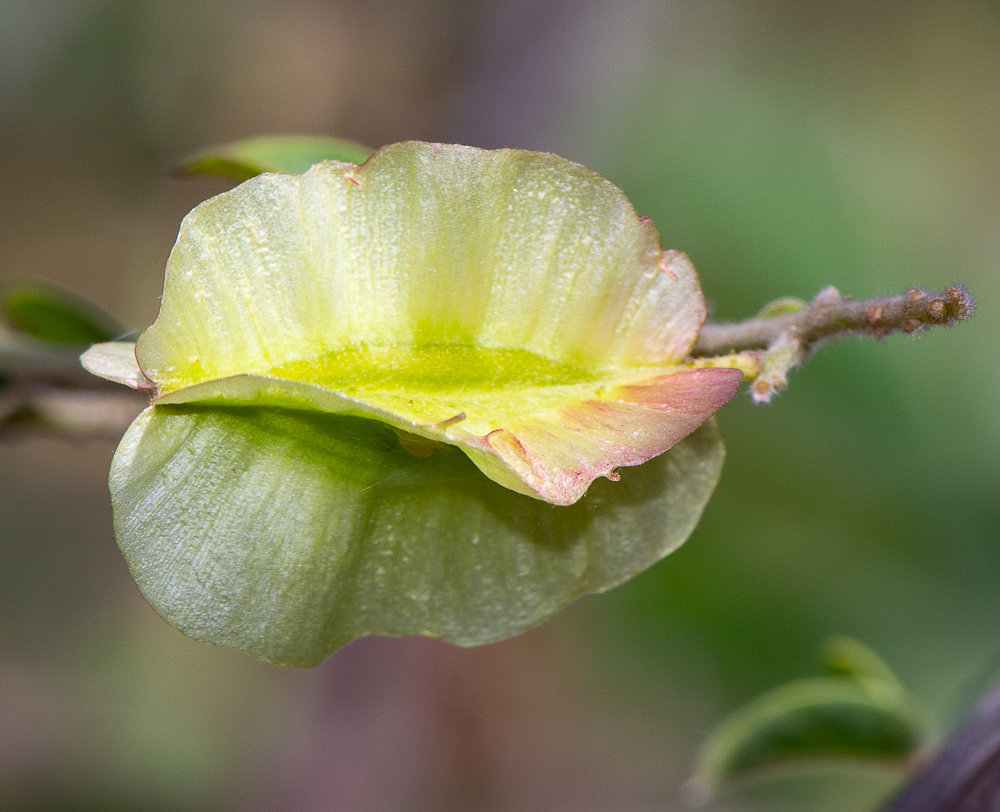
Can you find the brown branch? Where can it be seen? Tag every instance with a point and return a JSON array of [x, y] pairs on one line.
[[785, 339], [43, 388], [78, 413], [966, 774], [47, 388]]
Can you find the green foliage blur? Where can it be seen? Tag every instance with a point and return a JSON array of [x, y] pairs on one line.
[[785, 146]]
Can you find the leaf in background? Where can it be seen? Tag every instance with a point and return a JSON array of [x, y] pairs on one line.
[[291, 154], [782, 307], [862, 716], [51, 314], [847, 657]]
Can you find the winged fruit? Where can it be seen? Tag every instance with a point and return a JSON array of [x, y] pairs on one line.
[[338, 352]]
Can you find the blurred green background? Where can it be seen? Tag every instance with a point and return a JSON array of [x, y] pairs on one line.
[[783, 145]]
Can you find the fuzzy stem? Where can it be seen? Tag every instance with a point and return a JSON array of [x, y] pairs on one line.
[[789, 338], [47, 387]]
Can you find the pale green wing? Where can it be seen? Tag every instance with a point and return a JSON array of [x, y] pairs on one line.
[[287, 533], [424, 244], [486, 299], [549, 442]]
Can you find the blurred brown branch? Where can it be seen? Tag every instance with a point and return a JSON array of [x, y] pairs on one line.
[[965, 776], [43, 387]]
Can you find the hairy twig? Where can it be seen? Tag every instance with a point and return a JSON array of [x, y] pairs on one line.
[[786, 332], [46, 386]]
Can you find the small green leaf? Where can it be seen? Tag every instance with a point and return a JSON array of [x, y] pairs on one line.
[[292, 154], [46, 312], [862, 715], [845, 656], [785, 306], [288, 533]]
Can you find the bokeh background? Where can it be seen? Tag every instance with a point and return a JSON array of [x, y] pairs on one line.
[[784, 145]]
